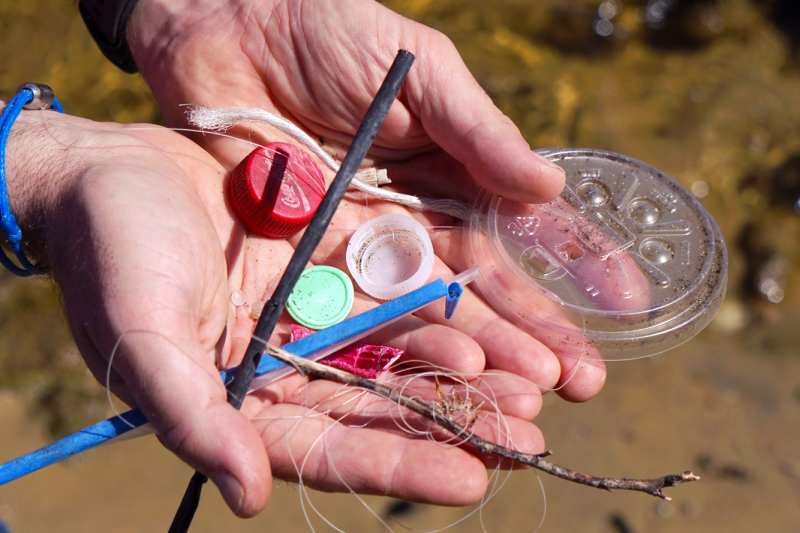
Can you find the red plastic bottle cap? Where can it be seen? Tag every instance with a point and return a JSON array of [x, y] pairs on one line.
[[277, 189]]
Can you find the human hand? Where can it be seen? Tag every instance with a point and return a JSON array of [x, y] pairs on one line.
[[139, 263], [114, 212], [319, 63], [289, 411]]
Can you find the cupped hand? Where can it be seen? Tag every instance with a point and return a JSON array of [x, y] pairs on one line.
[[115, 213], [146, 250], [319, 63], [295, 418]]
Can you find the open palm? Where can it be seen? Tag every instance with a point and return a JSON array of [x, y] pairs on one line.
[[319, 63], [146, 252]]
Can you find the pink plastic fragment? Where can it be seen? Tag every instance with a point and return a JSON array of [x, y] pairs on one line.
[[365, 360]]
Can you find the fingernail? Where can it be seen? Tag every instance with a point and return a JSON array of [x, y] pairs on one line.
[[231, 489], [549, 163]]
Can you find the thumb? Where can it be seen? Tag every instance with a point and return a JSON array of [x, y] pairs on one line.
[[180, 391], [461, 118]]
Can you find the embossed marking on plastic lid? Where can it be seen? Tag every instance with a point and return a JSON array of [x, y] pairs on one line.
[[624, 264]]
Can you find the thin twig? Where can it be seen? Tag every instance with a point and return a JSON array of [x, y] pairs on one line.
[[437, 415]]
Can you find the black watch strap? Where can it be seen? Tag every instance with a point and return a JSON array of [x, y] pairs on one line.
[[106, 21]]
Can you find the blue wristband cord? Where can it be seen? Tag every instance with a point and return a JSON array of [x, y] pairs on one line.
[[29, 96]]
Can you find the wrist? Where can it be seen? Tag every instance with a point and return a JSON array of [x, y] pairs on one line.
[[37, 171], [183, 47], [159, 32], [156, 27]]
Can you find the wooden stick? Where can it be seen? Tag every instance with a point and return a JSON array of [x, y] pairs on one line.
[[438, 415]]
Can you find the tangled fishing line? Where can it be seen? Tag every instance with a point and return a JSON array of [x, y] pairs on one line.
[[459, 422]]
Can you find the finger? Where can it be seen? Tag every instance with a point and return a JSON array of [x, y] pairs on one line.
[[509, 432], [582, 377], [583, 372], [181, 393], [491, 391], [461, 118], [329, 455], [437, 173], [494, 393], [498, 391], [505, 345], [440, 346]]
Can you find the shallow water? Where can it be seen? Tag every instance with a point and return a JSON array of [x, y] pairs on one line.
[[709, 93]]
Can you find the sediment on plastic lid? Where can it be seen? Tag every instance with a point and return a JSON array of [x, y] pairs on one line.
[[390, 256], [624, 264], [322, 297]]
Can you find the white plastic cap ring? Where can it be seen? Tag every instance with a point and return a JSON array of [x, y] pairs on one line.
[[390, 256]]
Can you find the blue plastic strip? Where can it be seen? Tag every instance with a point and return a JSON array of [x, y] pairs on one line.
[[114, 427], [358, 324], [69, 446]]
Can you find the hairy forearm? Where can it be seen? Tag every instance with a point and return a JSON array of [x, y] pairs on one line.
[[38, 167], [47, 157]]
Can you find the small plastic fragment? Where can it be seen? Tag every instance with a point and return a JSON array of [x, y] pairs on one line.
[[625, 263], [276, 190], [453, 294], [365, 360], [258, 308], [237, 298], [322, 297], [390, 256]]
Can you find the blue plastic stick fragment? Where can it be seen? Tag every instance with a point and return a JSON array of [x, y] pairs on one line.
[[453, 294], [316, 346], [69, 446]]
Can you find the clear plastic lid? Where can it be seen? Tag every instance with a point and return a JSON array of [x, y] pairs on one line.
[[624, 264]]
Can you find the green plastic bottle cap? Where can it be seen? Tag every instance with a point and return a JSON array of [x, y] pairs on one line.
[[322, 297]]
